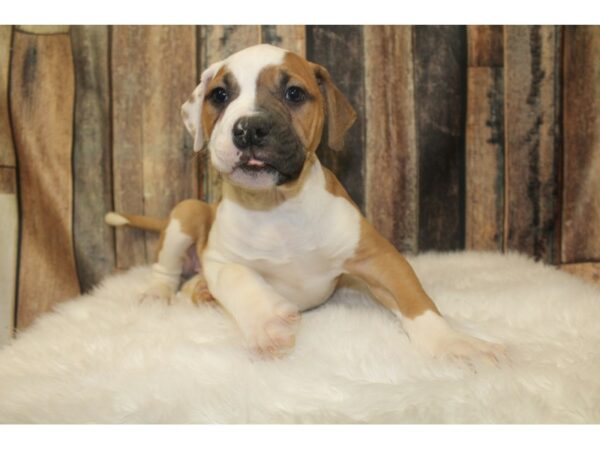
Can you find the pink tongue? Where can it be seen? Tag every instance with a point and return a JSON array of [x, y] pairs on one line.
[[255, 162]]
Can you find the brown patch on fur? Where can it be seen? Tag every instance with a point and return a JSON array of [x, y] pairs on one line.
[[340, 114], [211, 113], [390, 278], [195, 218], [197, 289], [308, 117]]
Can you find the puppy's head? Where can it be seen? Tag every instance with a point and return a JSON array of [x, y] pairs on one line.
[[262, 112]]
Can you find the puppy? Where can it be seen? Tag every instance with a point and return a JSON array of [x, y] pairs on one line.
[[285, 230]]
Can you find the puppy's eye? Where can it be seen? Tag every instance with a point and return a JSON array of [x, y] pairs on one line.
[[295, 94], [219, 95]]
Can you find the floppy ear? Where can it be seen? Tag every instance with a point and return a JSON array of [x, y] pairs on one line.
[[191, 110], [339, 112]]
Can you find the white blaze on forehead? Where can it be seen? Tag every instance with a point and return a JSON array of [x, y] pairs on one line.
[[245, 66]]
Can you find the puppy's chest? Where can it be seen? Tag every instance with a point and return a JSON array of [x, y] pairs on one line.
[[299, 247]]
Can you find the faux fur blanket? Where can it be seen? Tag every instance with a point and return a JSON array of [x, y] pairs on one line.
[[105, 357]]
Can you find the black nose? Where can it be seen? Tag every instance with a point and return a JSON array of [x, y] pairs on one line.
[[251, 130]]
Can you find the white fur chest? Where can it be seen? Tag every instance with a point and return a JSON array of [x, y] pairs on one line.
[[298, 247]]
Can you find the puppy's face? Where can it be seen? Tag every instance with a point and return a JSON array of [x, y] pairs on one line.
[[262, 111]]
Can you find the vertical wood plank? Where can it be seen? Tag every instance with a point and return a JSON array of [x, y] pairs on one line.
[[581, 118], [217, 43], [532, 105], [486, 45], [588, 271], [391, 178], [7, 154], [93, 239], [153, 72], [484, 208], [440, 54], [9, 239], [290, 37], [42, 96], [340, 49]]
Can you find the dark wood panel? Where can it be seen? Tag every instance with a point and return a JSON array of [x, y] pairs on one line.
[[93, 239], [290, 37], [391, 179], [485, 45], [484, 209], [340, 50], [440, 54], [42, 99], [217, 43], [581, 210], [153, 73], [7, 153], [532, 130]]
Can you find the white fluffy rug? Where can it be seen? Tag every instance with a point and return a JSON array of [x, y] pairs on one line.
[[106, 358]]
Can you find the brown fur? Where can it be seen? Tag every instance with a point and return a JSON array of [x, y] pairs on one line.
[[377, 263]]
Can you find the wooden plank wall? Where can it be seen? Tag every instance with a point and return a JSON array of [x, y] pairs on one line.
[[476, 137]]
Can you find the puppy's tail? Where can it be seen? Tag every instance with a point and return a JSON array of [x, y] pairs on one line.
[[131, 220]]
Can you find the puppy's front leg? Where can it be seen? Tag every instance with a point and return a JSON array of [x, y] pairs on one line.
[[267, 320], [394, 284]]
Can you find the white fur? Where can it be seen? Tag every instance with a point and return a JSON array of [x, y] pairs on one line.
[[245, 66], [167, 270], [107, 358], [116, 220], [257, 262]]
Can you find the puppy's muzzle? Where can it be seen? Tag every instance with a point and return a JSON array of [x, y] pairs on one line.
[[251, 131]]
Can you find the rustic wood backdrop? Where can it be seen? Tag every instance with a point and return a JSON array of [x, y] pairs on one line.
[[476, 137]]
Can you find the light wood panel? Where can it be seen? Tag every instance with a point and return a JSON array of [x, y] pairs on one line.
[[42, 99], [153, 73], [581, 208], [9, 239], [290, 37], [7, 153]]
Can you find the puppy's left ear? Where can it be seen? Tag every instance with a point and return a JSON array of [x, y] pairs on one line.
[[191, 111], [339, 115]]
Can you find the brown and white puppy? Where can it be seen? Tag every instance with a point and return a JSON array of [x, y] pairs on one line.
[[285, 230]]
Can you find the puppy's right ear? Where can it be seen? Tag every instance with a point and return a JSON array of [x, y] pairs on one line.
[[191, 111]]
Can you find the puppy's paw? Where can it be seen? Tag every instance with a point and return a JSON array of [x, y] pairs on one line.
[[157, 292], [274, 334], [196, 288], [464, 348], [431, 334]]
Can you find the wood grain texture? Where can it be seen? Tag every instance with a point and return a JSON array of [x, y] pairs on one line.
[[485, 45], [588, 271], [153, 73], [532, 133], [7, 152], [93, 239], [42, 96], [43, 29], [339, 48], [484, 208], [581, 195], [391, 178], [290, 37], [219, 42], [9, 240], [440, 54]]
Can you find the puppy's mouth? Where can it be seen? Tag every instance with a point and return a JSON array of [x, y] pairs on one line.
[[255, 165]]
